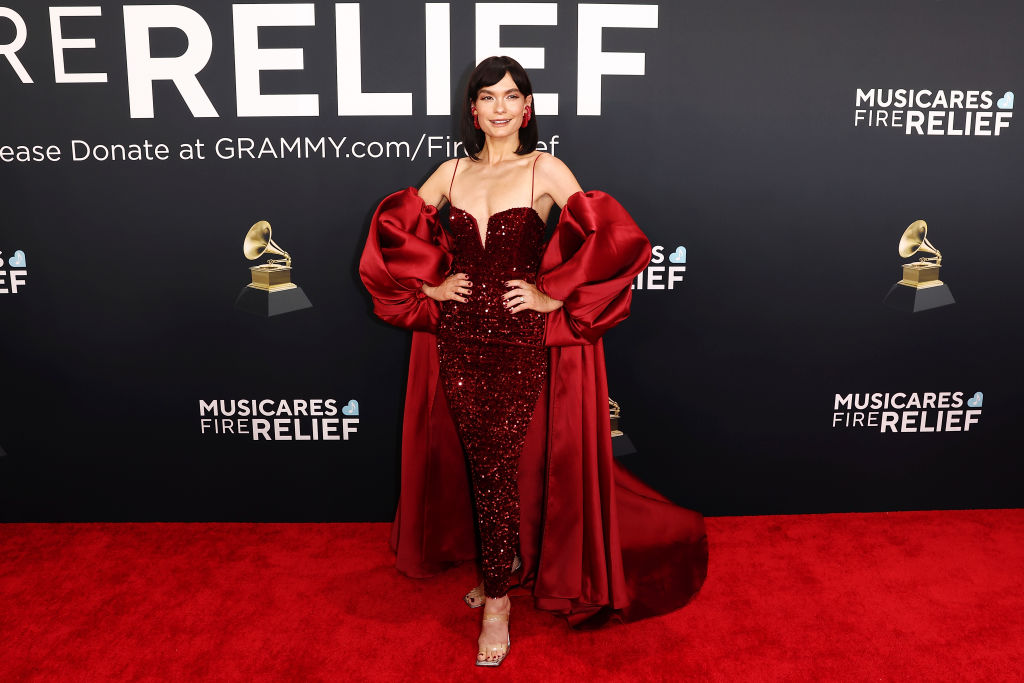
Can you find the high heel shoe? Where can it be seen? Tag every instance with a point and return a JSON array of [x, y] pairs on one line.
[[496, 650], [475, 598]]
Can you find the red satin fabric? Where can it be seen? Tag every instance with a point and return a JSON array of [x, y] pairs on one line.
[[595, 541]]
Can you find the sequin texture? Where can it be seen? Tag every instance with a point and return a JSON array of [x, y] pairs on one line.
[[493, 368]]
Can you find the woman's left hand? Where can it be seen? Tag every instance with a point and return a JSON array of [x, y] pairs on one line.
[[525, 297]]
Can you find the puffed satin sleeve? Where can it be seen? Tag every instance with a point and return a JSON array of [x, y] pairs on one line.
[[589, 264], [406, 247]]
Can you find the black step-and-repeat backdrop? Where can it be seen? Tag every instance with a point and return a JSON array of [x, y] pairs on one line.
[[778, 155]]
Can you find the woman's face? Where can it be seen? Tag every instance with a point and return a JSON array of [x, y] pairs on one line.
[[500, 107]]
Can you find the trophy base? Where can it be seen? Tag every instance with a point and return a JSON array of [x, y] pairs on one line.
[[266, 303], [621, 445], [910, 299]]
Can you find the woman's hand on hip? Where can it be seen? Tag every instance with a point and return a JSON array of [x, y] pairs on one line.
[[455, 287], [526, 297]]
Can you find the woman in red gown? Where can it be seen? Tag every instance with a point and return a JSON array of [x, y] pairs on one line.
[[507, 375]]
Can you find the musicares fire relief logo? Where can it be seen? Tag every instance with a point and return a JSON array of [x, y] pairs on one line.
[[660, 275], [943, 411], [976, 113], [280, 420], [15, 276]]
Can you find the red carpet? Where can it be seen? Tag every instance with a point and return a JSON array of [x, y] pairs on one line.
[[847, 597]]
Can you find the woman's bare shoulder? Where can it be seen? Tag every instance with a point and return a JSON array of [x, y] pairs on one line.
[[435, 189], [555, 178]]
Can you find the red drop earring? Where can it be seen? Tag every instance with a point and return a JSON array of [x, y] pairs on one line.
[[526, 116], [476, 121]]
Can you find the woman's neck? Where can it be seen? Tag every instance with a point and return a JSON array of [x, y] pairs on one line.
[[497, 150]]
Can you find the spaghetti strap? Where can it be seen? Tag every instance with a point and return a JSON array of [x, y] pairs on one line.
[[452, 183], [532, 177]]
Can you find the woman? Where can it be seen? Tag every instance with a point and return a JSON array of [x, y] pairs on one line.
[[507, 369]]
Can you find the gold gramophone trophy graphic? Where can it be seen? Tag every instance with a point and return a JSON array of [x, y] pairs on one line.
[[621, 445], [920, 289], [271, 291]]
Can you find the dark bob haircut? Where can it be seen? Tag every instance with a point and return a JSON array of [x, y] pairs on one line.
[[487, 73]]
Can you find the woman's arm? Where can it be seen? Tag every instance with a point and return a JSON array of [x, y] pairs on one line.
[[456, 287], [404, 249], [589, 264], [554, 179]]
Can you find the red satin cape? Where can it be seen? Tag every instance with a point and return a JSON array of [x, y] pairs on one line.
[[595, 541]]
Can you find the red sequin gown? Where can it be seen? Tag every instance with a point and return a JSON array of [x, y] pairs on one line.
[[595, 542], [493, 367]]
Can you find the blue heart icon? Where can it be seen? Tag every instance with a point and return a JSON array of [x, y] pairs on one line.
[[977, 400], [18, 260], [351, 409], [1006, 101], [678, 256]]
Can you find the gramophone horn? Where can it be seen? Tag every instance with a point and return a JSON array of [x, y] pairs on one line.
[[257, 243], [915, 239]]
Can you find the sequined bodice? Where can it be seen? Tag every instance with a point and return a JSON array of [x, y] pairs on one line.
[[511, 251]]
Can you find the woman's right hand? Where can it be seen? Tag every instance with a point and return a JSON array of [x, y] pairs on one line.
[[455, 288]]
